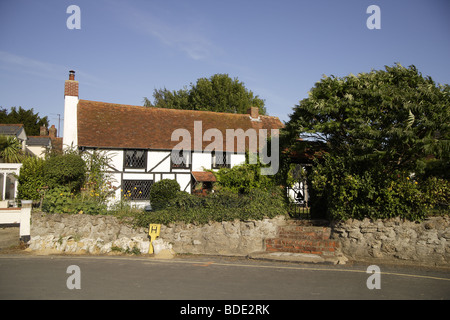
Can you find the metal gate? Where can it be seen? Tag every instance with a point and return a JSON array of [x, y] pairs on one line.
[[298, 193]]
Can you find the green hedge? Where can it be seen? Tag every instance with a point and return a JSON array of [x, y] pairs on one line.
[[337, 192], [218, 206], [31, 179]]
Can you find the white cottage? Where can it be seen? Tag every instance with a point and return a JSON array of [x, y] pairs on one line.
[[149, 144]]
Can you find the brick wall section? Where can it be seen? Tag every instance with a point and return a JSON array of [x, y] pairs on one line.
[[303, 239], [71, 88], [324, 247]]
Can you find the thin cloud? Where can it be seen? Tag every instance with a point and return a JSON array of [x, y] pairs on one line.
[[16, 63], [21, 64], [182, 36]]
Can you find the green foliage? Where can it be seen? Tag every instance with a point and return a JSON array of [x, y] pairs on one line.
[[219, 93], [165, 98], [379, 129], [11, 149], [437, 194], [393, 116], [67, 169], [218, 206], [163, 191], [62, 200], [31, 178], [98, 181], [240, 193], [242, 178], [58, 200], [340, 194]]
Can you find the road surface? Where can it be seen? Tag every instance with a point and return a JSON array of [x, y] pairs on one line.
[[200, 278]]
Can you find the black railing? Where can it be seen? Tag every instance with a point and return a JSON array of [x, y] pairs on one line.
[[299, 211]]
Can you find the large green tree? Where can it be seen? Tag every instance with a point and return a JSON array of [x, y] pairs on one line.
[[30, 120], [385, 134], [219, 93], [393, 116]]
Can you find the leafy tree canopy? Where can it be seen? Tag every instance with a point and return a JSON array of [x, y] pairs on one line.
[[394, 117], [30, 120], [219, 93]]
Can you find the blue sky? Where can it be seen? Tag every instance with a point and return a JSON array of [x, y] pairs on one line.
[[279, 49]]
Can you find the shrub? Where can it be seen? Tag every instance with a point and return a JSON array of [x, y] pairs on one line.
[[62, 200], [163, 191], [437, 194], [65, 170], [11, 149], [58, 200], [338, 193], [31, 178], [219, 206], [242, 178], [98, 179]]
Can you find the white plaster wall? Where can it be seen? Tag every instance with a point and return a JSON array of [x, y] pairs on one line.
[[201, 160], [154, 157], [70, 135], [38, 151], [184, 182], [116, 157], [116, 182], [137, 176], [168, 176], [237, 159]]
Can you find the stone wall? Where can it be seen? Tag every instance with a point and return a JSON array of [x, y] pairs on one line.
[[424, 243], [221, 238], [394, 240], [62, 233]]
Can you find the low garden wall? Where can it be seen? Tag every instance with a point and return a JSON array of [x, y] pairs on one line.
[[422, 243], [80, 233], [394, 240]]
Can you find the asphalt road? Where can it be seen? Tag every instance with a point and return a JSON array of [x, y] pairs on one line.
[[209, 278]]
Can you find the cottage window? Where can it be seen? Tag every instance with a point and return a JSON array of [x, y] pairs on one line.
[[136, 189], [220, 160], [180, 159], [136, 159]]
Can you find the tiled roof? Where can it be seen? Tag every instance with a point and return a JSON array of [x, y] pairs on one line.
[[109, 125], [203, 176], [38, 141], [10, 129]]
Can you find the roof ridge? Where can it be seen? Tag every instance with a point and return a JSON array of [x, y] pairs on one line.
[[172, 109]]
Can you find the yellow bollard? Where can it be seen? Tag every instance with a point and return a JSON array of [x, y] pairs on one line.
[[153, 232]]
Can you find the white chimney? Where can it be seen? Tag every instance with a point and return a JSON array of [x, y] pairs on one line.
[[70, 135]]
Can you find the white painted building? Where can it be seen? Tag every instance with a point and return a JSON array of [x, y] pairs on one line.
[[140, 140]]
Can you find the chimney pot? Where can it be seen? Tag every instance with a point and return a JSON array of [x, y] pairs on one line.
[[253, 112], [43, 131], [71, 86], [52, 131]]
